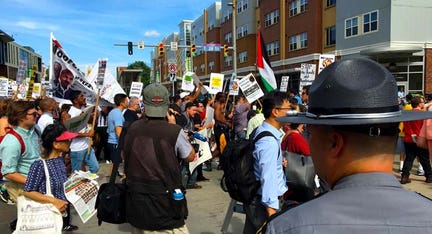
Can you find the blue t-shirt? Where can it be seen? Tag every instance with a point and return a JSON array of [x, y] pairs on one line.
[[115, 119], [36, 180]]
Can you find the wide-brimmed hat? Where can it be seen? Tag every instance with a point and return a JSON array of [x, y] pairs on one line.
[[156, 100], [354, 91]]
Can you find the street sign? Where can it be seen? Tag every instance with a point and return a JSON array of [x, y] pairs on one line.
[[140, 45], [172, 76], [174, 46], [211, 47], [172, 67]]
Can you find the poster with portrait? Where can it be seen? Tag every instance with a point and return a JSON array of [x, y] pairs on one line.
[[66, 76], [250, 88], [325, 60]]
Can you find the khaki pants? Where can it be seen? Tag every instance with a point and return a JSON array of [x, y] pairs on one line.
[[180, 230], [14, 189]]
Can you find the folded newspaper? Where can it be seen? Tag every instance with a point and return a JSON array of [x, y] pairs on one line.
[[81, 191]]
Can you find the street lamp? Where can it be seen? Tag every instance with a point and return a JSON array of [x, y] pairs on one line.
[[233, 4]]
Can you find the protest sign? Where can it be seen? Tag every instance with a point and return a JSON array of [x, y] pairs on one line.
[[136, 89], [284, 84], [188, 82], [325, 60], [4, 87], [307, 74], [233, 86], [79, 122], [216, 83], [37, 90], [204, 152], [250, 88]]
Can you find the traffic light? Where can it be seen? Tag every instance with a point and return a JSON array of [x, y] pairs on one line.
[[225, 50], [161, 49], [193, 50], [130, 48]]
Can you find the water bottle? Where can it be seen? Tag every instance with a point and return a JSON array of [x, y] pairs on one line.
[[178, 195], [199, 136]]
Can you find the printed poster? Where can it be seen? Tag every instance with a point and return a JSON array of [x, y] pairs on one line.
[[233, 86], [203, 154], [37, 90], [216, 83], [79, 122], [188, 82], [284, 83], [250, 88], [4, 87], [325, 60], [136, 89], [82, 191], [307, 74]]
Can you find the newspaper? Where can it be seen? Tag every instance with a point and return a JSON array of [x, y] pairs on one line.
[[81, 191]]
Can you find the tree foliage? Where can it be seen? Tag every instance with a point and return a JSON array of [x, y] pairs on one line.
[[145, 75]]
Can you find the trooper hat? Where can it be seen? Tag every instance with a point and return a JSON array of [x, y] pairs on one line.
[[354, 91]]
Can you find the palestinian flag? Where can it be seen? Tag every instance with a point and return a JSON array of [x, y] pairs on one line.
[[263, 64]]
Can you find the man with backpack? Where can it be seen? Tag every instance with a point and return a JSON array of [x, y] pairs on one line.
[[152, 147], [19, 148], [268, 164]]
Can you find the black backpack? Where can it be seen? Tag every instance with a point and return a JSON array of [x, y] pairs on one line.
[[237, 162]]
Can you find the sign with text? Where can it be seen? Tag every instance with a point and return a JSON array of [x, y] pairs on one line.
[[136, 89], [250, 88], [188, 82], [233, 86], [307, 74], [284, 83], [325, 60], [4, 87], [37, 90], [79, 122], [216, 83]]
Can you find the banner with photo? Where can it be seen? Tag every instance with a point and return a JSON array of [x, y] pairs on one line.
[[65, 75], [325, 60]]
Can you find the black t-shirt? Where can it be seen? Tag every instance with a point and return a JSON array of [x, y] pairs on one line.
[[130, 116]]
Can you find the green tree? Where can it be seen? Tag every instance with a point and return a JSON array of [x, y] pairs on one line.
[[145, 75]]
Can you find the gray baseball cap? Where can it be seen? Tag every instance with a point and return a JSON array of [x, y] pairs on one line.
[[156, 100]]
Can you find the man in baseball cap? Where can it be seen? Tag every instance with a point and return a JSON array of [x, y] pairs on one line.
[[353, 118]]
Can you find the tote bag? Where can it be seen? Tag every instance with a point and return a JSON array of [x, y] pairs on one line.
[[38, 218], [300, 172]]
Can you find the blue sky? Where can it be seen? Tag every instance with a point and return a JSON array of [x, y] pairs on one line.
[[88, 29]]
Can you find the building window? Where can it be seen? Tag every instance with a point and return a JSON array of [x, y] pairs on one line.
[[272, 18], [351, 27], [202, 67], [272, 48], [297, 7], [242, 57], [331, 3], [211, 65], [242, 31], [331, 36], [228, 38], [228, 61], [242, 5], [299, 41], [370, 22]]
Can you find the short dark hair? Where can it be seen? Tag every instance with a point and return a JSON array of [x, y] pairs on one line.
[[18, 110], [74, 95], [272, 100], [189, 105], [49, 135], [306, 89], [119, 98]]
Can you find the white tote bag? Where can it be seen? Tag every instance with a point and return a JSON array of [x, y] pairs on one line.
[[38, 218]]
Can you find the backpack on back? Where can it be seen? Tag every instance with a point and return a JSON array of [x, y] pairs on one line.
[[237, 162], [10, 130]]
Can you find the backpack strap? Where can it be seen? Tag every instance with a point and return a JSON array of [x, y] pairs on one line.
[[11, 130], [264, 134]]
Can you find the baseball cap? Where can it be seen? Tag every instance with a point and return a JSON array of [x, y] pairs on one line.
[[156, 100]]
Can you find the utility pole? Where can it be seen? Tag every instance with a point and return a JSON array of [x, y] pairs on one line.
[[234, 29]]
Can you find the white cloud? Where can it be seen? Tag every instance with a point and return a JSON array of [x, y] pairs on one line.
[[35, 25], [152, 33]]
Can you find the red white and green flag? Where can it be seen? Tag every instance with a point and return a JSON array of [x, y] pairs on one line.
[[263, 64]]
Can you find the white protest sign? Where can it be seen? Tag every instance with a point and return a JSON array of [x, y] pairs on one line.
[[250, 88], [216, 83], [37, 89], [204, 152], [4, 87], [284, 83], [136, 89], [79, 122], [188, 82], [325, 60], [307, 74]]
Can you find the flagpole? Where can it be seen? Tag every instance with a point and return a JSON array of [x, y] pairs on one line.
[[51, 59]]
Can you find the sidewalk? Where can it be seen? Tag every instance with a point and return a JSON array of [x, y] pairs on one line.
[[207, 206]]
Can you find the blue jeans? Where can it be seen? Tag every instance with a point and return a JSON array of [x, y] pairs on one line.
[[191, 178], [78, 157]]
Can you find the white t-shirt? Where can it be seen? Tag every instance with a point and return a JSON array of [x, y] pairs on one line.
[[79, 143], [45, 120]]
